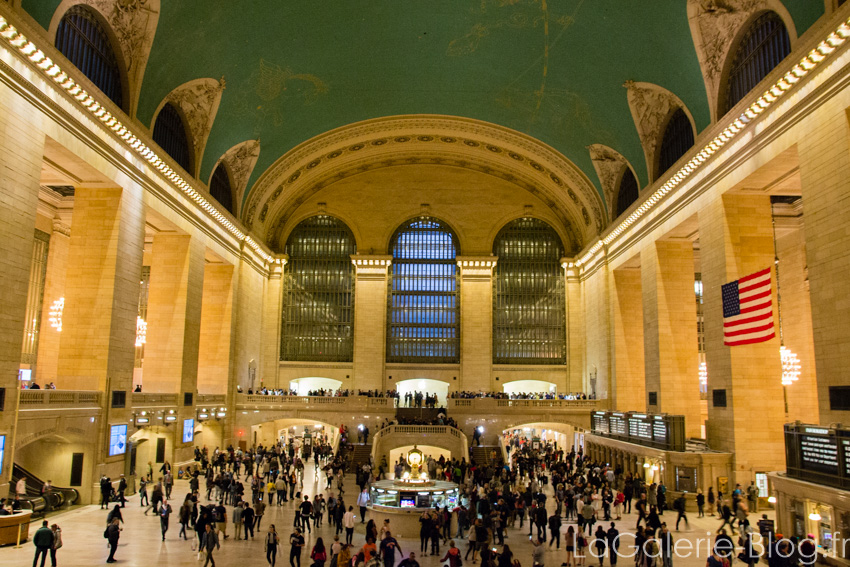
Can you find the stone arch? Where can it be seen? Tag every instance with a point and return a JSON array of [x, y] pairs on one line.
[[717, 27], [350, 222], [651, 107], [610, 166], [132, 25], [240, 161], [417, 140], [197, 103]]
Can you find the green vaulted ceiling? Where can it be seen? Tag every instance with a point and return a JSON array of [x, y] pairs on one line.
[[553, 69]]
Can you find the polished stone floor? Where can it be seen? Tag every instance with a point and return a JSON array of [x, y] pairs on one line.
[[141, 545]]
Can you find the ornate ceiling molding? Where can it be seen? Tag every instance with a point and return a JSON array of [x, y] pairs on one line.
[[424, 139], [609, 165], [715, 27], [198, 102], [240, 161], [651, 108], [133, 25]]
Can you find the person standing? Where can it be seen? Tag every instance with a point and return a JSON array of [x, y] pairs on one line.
[[665, 540], [613, 536], [21, 487], [248, 520], [753, 497], [113, 532], [164, 515], [259, 510], [105, 491], [143, 492], [348, 523], [319, 554], [537, 553], [272, 543], [122, 488], [296, 543], [710, 500], [57, 543], [237, 520], [306, 508], [363, 500], [389, 545], [43, 541], [700, 503], [209, 543]]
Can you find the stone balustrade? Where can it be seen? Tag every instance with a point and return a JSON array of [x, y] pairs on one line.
[[41, 399]]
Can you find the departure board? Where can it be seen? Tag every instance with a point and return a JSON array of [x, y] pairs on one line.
[[661, 431], [818, 454]]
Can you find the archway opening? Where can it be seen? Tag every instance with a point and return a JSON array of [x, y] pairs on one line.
[[423, 386], [541, 436], [520, 387], [314, 386], [427, 450]]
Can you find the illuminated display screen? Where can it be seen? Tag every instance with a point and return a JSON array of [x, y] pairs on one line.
[[188, 430], [117, 440], [2, 450], [408, 502]]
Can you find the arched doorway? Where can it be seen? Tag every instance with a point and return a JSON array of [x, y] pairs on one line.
[[423, 386], [529, 387], [303, 386]]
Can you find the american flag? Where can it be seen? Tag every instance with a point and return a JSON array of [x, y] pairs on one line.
[[748, 310]]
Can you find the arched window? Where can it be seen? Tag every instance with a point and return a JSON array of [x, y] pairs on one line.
[[678, 139], [170, 133], [763, 47], [220, 187], [318, 309], [529, 321], [628, 191], [424, 313], [82, 39]]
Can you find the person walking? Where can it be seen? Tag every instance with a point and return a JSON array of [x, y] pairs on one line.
[[348, 523], [679, 505], [613, 536], [57, 543], [113, 532], [209, 543], [122, 488], [700, 503], [665, 541], [259, 510], [185, 516], [143, 492], [237, 520], [711, 500], [306, 508], [319, 554], [296, 543], [570, 546], [248, 520], [164, 515], [452, 556], [272, 543], [600, 543], [555, 530], [363, 500], [43, 541]]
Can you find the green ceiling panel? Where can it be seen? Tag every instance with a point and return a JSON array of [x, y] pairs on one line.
[[553, 69]]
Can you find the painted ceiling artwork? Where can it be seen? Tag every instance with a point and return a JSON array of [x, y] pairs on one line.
[[552, 69]]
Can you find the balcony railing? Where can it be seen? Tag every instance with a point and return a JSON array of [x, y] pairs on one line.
[[257, 400], [142, 400], [211, 399], [36, 399], [491, 404]]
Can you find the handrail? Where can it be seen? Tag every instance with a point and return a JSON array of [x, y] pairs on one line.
[[32, 398]]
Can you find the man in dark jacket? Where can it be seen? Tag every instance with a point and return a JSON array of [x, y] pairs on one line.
[[209, 543], [113, 532], [43, 540], [555, 530], [122, 487]]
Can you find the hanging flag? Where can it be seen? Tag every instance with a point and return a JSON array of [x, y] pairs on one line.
[[748, 310]]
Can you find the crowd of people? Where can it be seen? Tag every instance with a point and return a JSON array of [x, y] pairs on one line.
[[469, 395]]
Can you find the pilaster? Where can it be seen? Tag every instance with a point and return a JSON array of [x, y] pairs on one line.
[[216, 327], [629, 393], [370, 320], [576, 337], [54, 290], [476, 322], [272, 312]]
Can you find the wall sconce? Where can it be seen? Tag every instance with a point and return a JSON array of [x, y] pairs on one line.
[[56, 309], [815, 517]]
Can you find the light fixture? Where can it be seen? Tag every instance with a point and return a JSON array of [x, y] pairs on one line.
[[703, 375], [771, 499], [646, 465], [141, 331], [815, 517], [56, 309], [480, 429], [790, 366]]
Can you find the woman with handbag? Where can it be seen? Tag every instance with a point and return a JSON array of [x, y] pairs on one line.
[[319, 555], [272, 543]]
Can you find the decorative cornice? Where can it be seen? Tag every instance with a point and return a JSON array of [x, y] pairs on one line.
[[371, 266], [476, 267], [424, 139]]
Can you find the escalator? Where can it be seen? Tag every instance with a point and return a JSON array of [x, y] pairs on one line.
[[36, 501]]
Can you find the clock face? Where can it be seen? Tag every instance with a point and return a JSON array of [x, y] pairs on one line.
[[414, 458]]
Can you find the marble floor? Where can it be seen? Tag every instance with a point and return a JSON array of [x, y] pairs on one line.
[[141, 545]]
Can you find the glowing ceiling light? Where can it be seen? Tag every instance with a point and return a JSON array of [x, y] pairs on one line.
[[55, 312], [790, 366]]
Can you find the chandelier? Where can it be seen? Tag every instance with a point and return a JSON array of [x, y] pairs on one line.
[[703, 375], [790, 366], [141, 331], [55, 313]]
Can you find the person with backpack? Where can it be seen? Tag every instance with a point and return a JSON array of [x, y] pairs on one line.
[[296, 544], [452, 556], [112, 533]]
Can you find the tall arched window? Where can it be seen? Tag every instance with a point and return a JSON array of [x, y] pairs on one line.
[[424, 305], [170, 133], [678, 139], [529, 320], [628, 191], [220, 187], [82, 39], [764, 45], [318, 308]]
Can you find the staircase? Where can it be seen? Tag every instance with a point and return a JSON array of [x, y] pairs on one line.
[[482, 454], [360, 455], [38, 502]]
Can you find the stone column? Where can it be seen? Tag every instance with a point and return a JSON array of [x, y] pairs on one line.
[[174, 315], [476, 322], [825, 181], [97, 347], [576, 333], [21, 153], [629, 388], [54, 289], [216, 326], [671, 352], [736, 239], [272, 312], [370, 321]]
